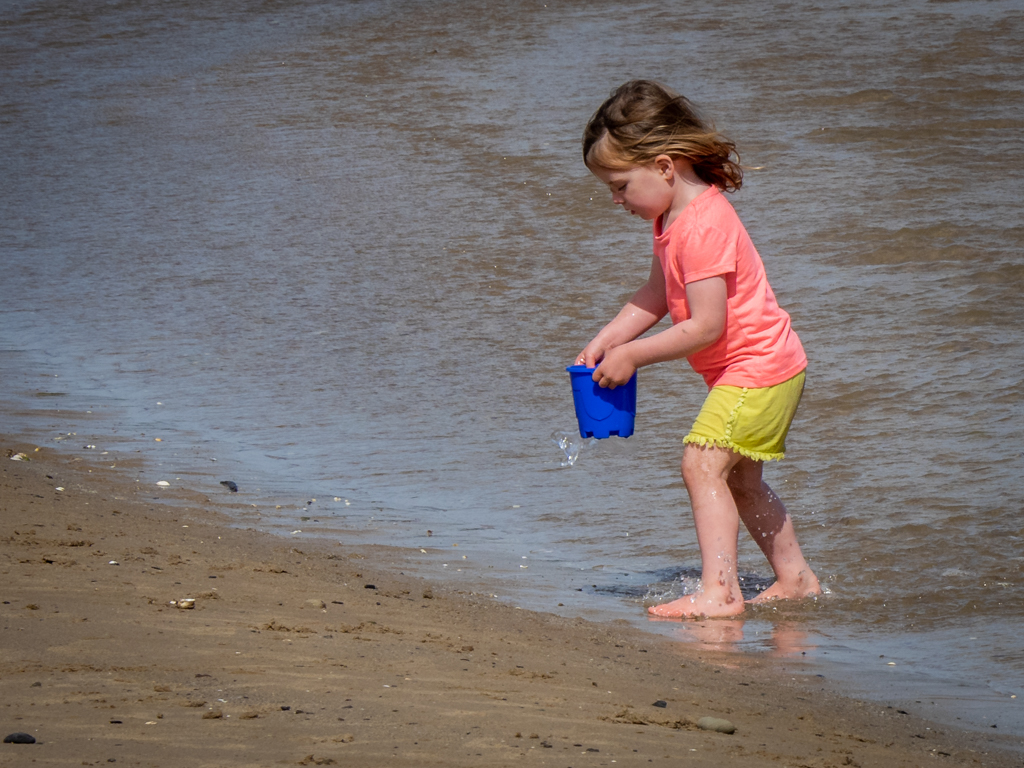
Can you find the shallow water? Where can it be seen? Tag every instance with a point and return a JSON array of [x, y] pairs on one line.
[[348, 249]]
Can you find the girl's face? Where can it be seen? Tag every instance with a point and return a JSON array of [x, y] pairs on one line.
[[643, 190]]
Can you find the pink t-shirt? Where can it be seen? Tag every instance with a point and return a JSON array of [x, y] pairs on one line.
[[758, 347]]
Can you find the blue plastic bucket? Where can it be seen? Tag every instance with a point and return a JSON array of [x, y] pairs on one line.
[[602, 412]]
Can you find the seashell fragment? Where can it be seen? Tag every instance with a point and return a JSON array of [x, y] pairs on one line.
[[716, 724]]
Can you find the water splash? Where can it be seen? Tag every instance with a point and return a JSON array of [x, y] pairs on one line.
[[687, 584], [571, 446]]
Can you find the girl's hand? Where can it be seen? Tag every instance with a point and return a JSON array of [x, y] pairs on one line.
[[616, 369], [591, 355]]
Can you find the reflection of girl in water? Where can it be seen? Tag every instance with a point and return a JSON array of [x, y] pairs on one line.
[[786, 640]]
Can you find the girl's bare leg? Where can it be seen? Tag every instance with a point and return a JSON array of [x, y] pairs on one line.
[[765, 516], [706, 471]]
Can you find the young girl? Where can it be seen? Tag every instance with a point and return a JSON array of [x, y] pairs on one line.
[[663, 163]]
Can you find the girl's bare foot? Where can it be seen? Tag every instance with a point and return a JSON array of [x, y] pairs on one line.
[[805, 585], [700, 604]]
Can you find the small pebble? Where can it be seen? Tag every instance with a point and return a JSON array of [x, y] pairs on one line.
[[716, 724], [230, 485], [19, 738], [660, 703]]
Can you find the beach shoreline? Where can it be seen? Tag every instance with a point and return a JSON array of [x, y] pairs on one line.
[[321, 653]]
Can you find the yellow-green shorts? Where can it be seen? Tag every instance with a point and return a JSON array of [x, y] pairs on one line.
[[752, 422]]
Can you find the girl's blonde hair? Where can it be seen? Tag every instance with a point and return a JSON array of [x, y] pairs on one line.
[[643, 119]]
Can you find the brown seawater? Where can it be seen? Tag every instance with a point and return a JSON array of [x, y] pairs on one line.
[[347, 249]]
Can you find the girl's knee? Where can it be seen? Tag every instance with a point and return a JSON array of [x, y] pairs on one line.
[[745, 479], [693, 474], [693, 466], [702, 465]]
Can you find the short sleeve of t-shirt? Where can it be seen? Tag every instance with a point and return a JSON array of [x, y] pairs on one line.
[[704, 251], [700, 244]]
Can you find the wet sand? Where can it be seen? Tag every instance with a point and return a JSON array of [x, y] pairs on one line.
[[298, 653]]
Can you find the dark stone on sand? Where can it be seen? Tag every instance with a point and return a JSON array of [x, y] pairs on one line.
[[370, 586], [20, 738], [660, 703], [230, 485]]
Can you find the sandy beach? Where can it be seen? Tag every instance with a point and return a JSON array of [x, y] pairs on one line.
[[304, 654]]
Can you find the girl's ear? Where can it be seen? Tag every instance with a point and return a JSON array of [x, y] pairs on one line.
[[665, 165]]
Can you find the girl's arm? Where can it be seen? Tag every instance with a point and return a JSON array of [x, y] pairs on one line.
[[641, 313], [707, 302]]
